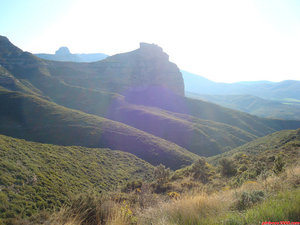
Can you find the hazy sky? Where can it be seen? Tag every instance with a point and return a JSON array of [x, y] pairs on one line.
[[226, 41]]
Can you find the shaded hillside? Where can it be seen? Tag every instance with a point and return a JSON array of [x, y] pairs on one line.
[[29, 117], [36, 176], [9, 82], [264, 89], [63, 54], [254, 105], [202, 137]]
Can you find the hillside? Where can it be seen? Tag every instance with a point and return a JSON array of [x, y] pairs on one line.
[[36, 176], [31, 118], [63, 54], [261, 186], [263, 89], [285, 143], [254, 105], [203, 137]]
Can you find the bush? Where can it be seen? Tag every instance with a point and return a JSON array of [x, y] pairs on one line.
[[201, 170], [227, 167], [162, 174], [278, 165], [132, 186], [247, 199]]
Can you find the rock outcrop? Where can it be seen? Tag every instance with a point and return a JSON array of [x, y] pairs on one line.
[[63, 51]]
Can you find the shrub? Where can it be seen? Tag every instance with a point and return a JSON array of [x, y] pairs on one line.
[[278, 165], [227, 167], [132, 186], [201, 170], [247, 199], [161, 174]]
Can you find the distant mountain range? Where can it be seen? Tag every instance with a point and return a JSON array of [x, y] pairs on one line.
[[263, 89], [262, 98], [64, 54]]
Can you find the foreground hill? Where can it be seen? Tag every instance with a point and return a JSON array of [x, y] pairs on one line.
[[255, 190], [36, 176], [254, 105], [35, 119]]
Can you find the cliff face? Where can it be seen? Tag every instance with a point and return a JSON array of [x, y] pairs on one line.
[[141, 69], [153, 68]]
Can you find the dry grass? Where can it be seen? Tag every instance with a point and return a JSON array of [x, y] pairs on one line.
[[187, 210], [202, 208], [190, 208]]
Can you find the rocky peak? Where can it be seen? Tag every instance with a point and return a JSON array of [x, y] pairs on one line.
[[63, 51], [152, 50]]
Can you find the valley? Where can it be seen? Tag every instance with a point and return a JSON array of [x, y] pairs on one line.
[[110, 141]]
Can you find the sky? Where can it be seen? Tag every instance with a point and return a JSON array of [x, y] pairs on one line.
[[224, 41]]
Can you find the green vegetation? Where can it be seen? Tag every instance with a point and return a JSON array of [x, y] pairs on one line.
[[197, 194], [34, 176]]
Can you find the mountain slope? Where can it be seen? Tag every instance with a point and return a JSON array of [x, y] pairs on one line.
[[32, 118], [36, 176], [202, 137], [285, 142]]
